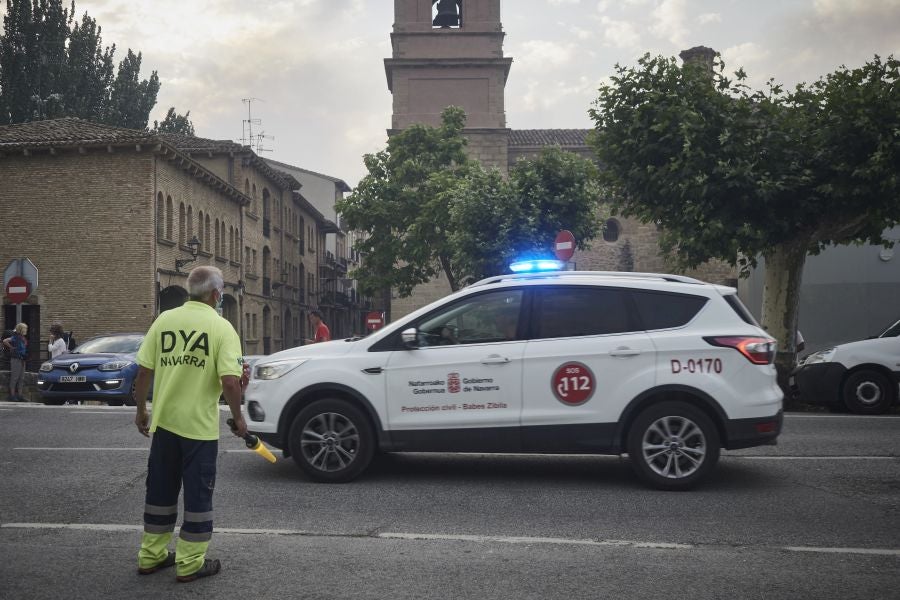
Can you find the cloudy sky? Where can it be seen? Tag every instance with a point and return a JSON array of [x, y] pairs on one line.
[[316, 66]]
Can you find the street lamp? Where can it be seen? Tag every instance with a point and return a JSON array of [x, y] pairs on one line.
[[194, 245]]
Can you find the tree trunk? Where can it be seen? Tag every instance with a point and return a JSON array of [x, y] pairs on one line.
[[780, 304], [445, 266]]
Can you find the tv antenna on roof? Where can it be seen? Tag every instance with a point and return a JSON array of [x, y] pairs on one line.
[[248, 123], [259, 141]]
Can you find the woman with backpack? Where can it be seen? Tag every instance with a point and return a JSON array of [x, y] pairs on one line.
[[17, 344]]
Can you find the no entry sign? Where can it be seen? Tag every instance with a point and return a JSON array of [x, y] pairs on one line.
[[374, 320], [17, 289], [564, 245]]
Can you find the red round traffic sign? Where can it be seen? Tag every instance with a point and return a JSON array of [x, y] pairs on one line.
[[18, 289], [573, 383], [564, 245], [374, 320]]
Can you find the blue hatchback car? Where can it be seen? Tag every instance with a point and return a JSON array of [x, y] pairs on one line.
[[102, 368]]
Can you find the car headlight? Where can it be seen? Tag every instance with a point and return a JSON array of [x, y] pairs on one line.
[[46, 367], [279, 368], [822, 356], [116, 365]]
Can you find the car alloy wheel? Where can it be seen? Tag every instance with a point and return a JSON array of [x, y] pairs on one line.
[[332, 441], [329, 442], [673, 445]]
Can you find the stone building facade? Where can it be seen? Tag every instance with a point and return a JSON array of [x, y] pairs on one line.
[[457, 59], [104, 213]]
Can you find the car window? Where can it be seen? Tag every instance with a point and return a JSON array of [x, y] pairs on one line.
[[664, 310], [479, 319], [120, 344], [579, 311], [892, 331]]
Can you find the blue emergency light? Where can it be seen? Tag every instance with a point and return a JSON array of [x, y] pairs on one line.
[[536, 265]]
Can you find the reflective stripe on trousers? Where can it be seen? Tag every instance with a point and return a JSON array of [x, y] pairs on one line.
[[175, 461]]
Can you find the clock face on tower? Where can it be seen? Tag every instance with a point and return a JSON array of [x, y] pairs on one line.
[[446, 13]]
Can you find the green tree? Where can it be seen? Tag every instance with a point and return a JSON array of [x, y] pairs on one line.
[[175, 123], [735, 174], [52, 66], [427, 209], [130, 99], [400, 205], [494, 221]]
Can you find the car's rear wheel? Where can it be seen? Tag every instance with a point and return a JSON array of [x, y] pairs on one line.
[[332, 441], [673, 445], [867, 392]]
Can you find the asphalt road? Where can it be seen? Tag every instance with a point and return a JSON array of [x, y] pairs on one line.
[[817, 516]]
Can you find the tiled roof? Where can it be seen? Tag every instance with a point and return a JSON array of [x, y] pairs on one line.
[[71, 131], [68, 131], [190, 143], [548, 137], [341, 184]]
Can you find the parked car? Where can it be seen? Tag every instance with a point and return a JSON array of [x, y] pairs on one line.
[[102, 368], [862, 377], [249, 361], [665, 368]]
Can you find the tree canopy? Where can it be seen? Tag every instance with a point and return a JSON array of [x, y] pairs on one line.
[[175, 123], [495, 220], [53, 66], [735, 174], [428, 209]]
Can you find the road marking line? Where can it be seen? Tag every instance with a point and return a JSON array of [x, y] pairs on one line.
[[756, 457], [531, 540], [90, 449], [816, 416], [147, 449], [114, 527], [876, 551], [729, 456]]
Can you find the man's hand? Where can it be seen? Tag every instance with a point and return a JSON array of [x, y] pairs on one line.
[[240, 425], [245, 375], [142, 420]]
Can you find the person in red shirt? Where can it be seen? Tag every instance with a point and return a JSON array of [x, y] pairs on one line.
[[322, 334]]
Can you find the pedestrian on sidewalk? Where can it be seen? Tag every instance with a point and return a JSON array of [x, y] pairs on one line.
[[17, 344], [322, 334], [192, 355], [57, 344]]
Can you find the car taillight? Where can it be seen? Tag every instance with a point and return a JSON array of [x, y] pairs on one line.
[[758, 350]]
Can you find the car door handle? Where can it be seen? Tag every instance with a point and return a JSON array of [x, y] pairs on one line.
[[624, 352], [494, 359]]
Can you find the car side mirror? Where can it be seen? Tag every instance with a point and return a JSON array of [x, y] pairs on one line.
[[410, 337]]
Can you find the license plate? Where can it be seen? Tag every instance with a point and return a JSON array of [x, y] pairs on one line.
[[72, 378]]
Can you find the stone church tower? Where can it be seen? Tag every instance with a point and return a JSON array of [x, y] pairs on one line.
[[450, 52]]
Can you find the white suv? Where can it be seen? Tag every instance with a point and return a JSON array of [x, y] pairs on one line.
[[665, 368]]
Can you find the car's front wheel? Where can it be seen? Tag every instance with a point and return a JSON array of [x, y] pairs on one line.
[[673, 445], [867, 393], [332, 441]]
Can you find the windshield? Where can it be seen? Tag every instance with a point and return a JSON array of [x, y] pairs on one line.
[[892, 331], [116, 344]]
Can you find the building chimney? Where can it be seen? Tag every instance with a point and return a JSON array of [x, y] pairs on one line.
[[701, 56]]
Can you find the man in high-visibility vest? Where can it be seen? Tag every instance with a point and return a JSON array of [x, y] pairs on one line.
[[193, 356]]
